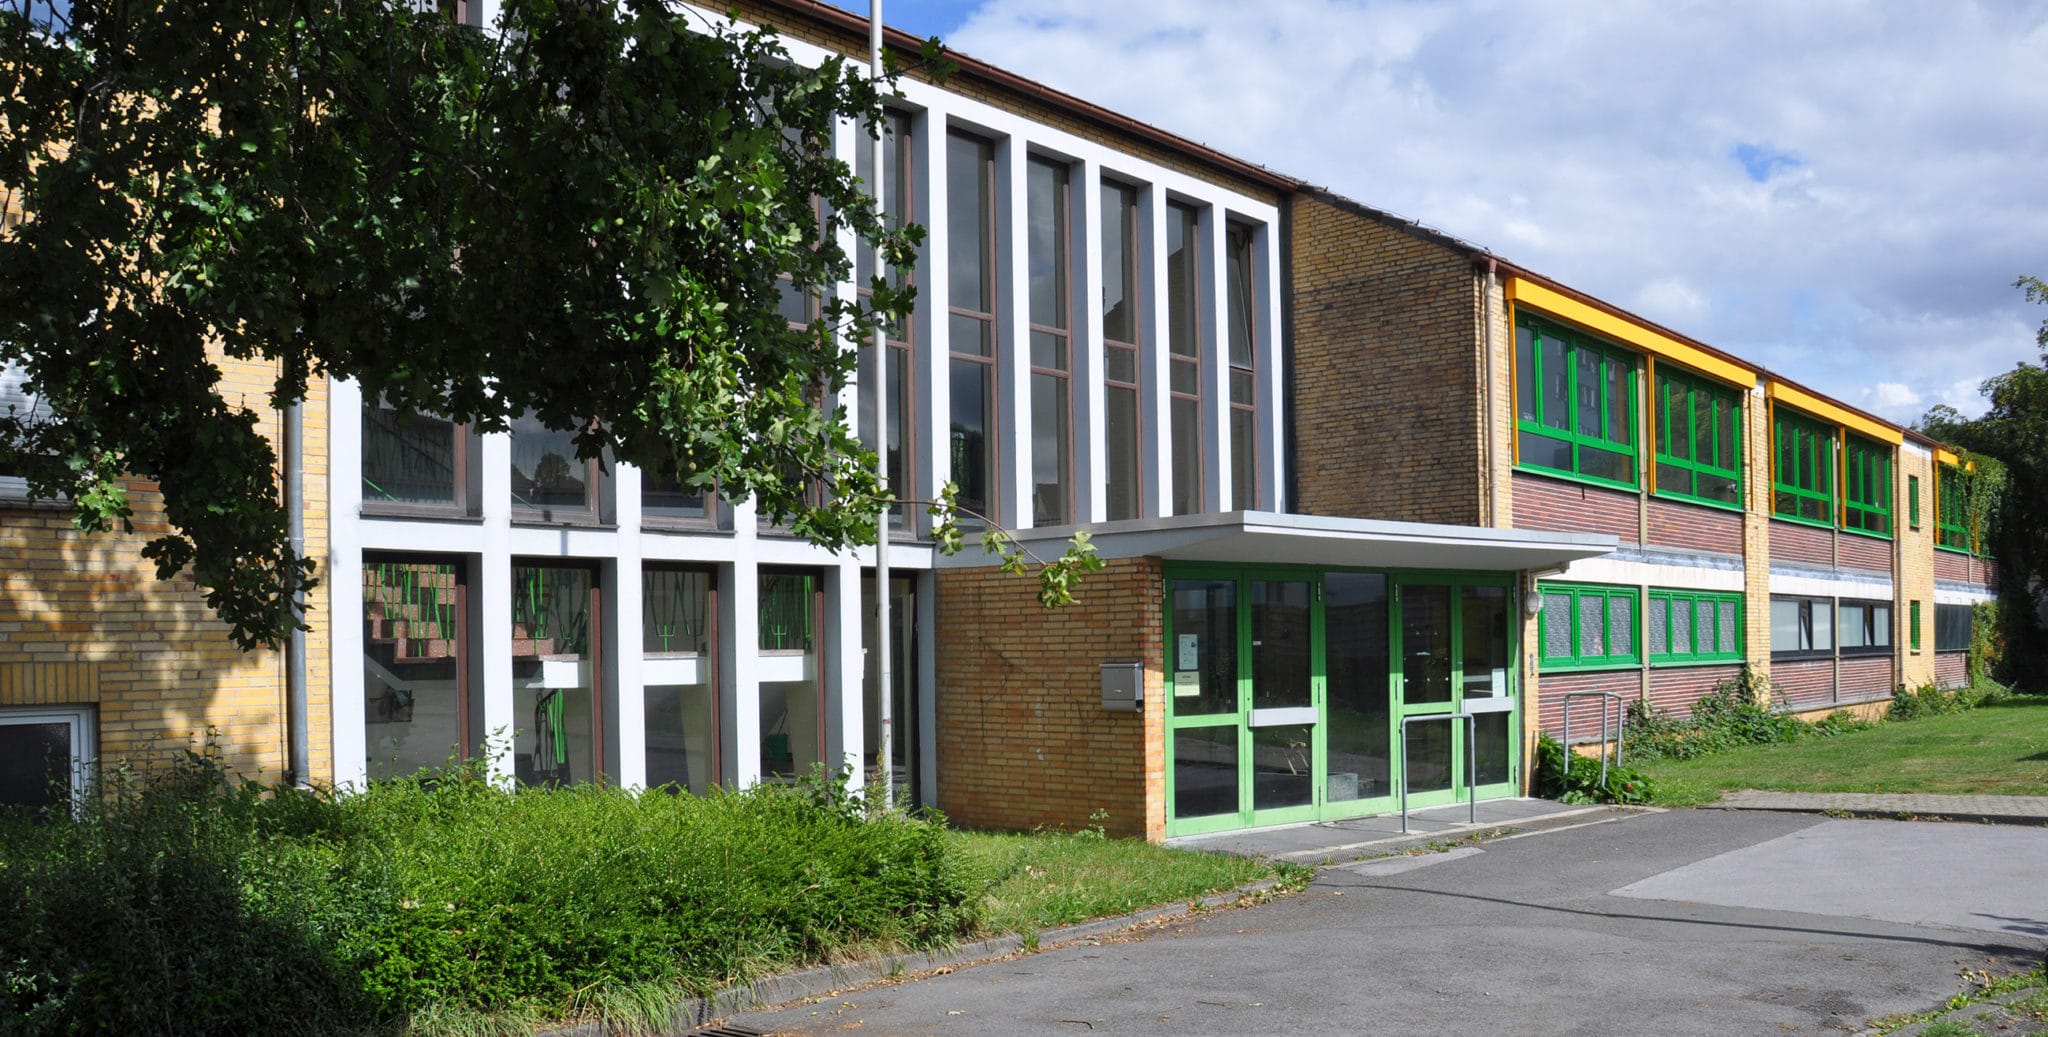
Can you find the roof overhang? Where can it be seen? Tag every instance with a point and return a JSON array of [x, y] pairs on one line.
[[1261, 537]]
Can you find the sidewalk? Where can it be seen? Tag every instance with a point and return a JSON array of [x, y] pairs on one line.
[[2021, 810], [1358, 837]]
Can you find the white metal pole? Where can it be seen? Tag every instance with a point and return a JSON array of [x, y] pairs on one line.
[[886, 710]]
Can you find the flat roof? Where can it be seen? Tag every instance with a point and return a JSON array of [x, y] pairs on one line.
[[1256, 537]]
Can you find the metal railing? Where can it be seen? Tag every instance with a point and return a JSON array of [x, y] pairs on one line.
[[1471, 763], [1620, 711]]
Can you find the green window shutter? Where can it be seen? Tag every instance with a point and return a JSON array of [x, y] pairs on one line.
[[1913, 618]]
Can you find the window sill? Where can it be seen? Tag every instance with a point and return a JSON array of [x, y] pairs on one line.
[[1868, 535], [387, 511], [1575, 477], [1680, 498], [1605, 667]]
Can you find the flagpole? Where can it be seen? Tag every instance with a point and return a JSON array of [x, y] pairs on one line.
[[886, 716]]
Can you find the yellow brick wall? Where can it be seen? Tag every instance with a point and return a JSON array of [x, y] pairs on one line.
[[84, 621], [1023, 740], [1756, 532], [1915, 580], [1387, 370]]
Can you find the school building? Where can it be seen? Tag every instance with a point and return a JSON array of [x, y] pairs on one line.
[[1376, 505]]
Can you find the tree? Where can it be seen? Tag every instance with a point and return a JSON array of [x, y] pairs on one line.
[[590, 214], [2007, 494]]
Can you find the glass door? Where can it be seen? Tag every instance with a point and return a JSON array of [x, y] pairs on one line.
[[1284, 754], [1455, 646], [1206, 712], [1358, 723], [1486, 689]]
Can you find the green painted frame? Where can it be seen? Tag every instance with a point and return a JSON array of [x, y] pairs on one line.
[[1951, 533], [1867, 487], [1692, 656], [1529, 336], [1682, 400], [1796, 437], [1577, 661]]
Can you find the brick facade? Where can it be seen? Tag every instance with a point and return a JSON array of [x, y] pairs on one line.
[[1694, 527], [1023, 740], [84, 621], [1916, 566], [1805, 683], [1866, 677], [1802, 544], [1565, 506]]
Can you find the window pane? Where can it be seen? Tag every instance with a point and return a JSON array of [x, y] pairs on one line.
[[1182, 281], [1703, 629], [1727, 638], [1718, 487], [1881, 626], [972, 449], [545, 470], [1049, 450], [1620, 385], [1823, 626], [1658, 617], [676, 639], [1119, 274], [35, 764], [1606, 464], [1244, 448], [1592, 626], [671, 498], [1703, 431], [1525, 373], [1681, 627], [1045, 186], [1204, 771], [1589, 385], [1120, 365], [406, 459], [1048, 350], [1557, 625], [1239, 297], [1621, 625], [1556, 382], [413, 643], [1281, 665], [1242, 385], [1204, 651], [792, 706], [1545, 452], [1187, 457], [554, 699], [967, 224], [1120, 431], [1185, 377], [1673, 479], [970, 336], [1785, 625]]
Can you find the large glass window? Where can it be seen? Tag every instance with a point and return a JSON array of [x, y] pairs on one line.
[[1577, 411], [415, 665], [1802, 626], [1241, 299], [897, 445], [971, 321], [411, 460], [1867, 487], [1120, 308], [673, 501], [1803, 475], [1952, 627], [1046, 207], [1950, 524], [1698, 438], [678, 639], [46, 753], [1587, 627], [792, 699], [547, 477], [1688, 627], [1184, 354], [555, 694], [1866, 627], [17, 403]]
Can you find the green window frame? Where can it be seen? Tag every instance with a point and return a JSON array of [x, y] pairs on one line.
[[1588, 627], [1692, 627], [1950, 529], [1577, 405], [1803, 475], [1913, 502], [1697, 431], [1913, 621], [1867, 487]]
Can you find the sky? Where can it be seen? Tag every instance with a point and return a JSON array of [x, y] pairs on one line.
[[1841, 191]]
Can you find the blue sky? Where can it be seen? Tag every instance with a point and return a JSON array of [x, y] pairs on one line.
[[1843, 190]]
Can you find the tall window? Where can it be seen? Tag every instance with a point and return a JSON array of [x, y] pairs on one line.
[[1242, 300], [1952, 627], [1120, 348], [547, 477], [1913, 501], [1697, 427], [416, 707], [897, 445], [412, 461], [1046, 204], [971, 319], [1587, 627], [556, 697], [17, 403], [1951, 527], [678, 639], [1577, 404], [1184, 355], [1803, 475], [1686, 627], [1867, 487]]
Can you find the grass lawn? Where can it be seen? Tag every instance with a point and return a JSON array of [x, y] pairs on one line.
[[1996, 749], [1039, 881]]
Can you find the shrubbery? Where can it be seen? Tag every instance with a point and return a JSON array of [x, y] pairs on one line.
[[1930, 701], [1582, 782], [1730, 716], [192, 904]]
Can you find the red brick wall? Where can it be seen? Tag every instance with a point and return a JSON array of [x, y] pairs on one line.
[[1869, 553], [1867, 677], [1675, 689], [1023, 740], [1792, 542], [1551, 690], [1564, 506], [1948, 565], [1387, 398], [1694, 527], [1951, 669], [1808, 682]]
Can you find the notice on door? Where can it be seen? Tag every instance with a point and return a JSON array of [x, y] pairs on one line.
[[1187, 683], [1188, 653]]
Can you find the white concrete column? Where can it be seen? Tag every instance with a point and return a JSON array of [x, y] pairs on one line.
[[627, 691], [929, 377], [1091, 489], [739, 623], [1012, 421], [491, 672], [1212, 268], [842, 652], [343, 581], [1155, 414], [1270, 390]]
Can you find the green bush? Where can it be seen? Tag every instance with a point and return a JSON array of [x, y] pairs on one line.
[[1580, 782], [1731, 715], [1930, 701], [196, 905]]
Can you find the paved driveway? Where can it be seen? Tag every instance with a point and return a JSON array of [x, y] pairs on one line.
[[1685, 922]]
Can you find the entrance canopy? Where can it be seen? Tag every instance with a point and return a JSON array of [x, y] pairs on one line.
[[1264, 537]]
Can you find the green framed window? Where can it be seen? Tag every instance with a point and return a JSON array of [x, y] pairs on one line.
[[1803, 477], [1586, 627], [1913, 625], [1577, 404], [1688, 627], [1951, 526], [1867, 487], [1913, 501], [1697, 428]]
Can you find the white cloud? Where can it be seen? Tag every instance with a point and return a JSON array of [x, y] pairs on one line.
[[1842, 190]]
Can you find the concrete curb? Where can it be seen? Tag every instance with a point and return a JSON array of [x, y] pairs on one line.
[[785, 988], [1888, 813]]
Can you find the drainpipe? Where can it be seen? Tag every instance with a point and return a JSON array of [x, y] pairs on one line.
[[297, 755], [1486, 515]]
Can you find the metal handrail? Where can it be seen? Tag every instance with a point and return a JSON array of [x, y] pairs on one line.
[[1471, 764], [1620, 726]]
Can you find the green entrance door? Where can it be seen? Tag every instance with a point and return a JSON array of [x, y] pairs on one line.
[[1456, 656]]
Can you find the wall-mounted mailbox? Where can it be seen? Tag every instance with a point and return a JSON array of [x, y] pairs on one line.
[[1123, 687]]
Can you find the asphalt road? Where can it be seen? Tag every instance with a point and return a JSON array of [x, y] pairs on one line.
[[1688, 922]]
